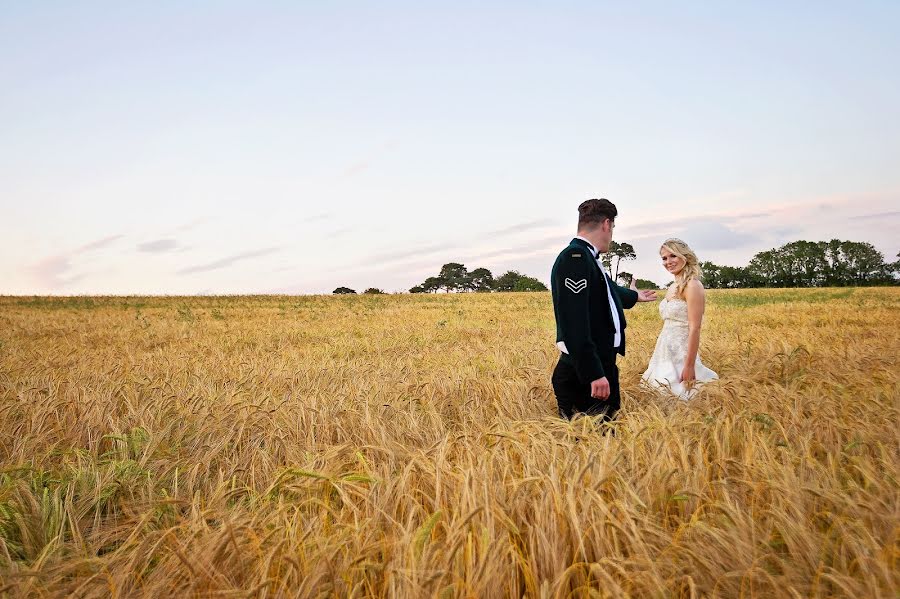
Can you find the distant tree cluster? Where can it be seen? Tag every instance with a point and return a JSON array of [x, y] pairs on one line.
[[456, 277], [348, 291], [832, 263], [626, 277]]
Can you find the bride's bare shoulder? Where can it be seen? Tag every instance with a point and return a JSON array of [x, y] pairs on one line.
[[694, 286]]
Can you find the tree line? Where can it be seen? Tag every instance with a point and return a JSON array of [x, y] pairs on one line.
[[348, 291], [832, 263], [454, 276]]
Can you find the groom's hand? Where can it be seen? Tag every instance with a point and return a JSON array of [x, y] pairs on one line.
[[643, 296], [600, 388]]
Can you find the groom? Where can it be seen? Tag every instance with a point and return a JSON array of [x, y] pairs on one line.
[[590, 322]]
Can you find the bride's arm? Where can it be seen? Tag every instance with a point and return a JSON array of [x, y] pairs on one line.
[[695, 296]]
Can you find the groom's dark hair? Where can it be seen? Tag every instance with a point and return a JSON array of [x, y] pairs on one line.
[[593, 212]]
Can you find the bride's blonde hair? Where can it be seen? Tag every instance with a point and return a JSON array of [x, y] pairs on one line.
[[691, 268]]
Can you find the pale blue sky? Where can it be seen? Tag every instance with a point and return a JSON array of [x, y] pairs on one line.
[[236, 147]]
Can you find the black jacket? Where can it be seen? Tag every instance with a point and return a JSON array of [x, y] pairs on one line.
[[581, 307]]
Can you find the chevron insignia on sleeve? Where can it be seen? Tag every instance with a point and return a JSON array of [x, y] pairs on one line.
[[576, 286]]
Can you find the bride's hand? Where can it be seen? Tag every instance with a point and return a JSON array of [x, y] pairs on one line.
[[688, 374]]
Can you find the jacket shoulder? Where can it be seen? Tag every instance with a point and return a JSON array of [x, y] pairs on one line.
[[574, 261], [573, 252]]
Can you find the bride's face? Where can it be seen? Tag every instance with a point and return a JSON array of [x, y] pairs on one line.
[[670, 261]]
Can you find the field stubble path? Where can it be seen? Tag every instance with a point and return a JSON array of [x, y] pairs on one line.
[[406, 446]]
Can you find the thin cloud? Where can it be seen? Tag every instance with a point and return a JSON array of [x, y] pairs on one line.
[[416, 252], [229, 261], [538, 246], [723, 231], [367, 162], [316, 218], [878, 215], [355, 169], [675, 224], [412, 260], [522, 227], [52, 272], [158, 246], [407, 253], [94, 245], [710, 235], [191, 224]]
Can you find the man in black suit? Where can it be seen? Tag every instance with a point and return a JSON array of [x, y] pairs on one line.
[[590, 321]]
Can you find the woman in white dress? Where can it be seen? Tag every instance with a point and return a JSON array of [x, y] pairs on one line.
[[675, 366]]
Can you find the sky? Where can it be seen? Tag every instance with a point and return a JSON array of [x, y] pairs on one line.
[[294, 147]]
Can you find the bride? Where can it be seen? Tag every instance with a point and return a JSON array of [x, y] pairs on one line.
[[675, 366]]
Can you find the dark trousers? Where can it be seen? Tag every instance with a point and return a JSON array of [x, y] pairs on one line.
[[573, 396]]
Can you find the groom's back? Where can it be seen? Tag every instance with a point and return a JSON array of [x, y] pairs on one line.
[[571, 273]]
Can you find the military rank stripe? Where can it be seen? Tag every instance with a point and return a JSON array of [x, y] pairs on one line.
[[576, 286]]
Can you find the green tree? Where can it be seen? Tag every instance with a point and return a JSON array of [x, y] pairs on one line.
[[417, 289], [625, 278], [507, 281], [373, 291], [621, 251], [865, 264], [529, 284], [343, 291], [727, 277], [834, 263], [433, 284], [812, 264], [739, 277], [646, 284], [712, 275], [455, 276], [481, 280], [607, 258], [765, 267], [801, 264]]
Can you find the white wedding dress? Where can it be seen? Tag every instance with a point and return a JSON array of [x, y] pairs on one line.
[[667, 362]]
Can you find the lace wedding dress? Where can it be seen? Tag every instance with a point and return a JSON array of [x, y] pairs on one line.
[[664, 371]]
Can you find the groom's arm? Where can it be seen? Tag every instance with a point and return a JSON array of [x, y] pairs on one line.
[[628, 297], [572, 281]]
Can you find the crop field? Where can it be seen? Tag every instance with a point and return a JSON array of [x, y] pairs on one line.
[[408, 446]]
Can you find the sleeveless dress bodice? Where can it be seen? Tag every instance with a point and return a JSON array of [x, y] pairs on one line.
[[667, 362]]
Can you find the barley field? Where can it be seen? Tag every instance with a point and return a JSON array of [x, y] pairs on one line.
[[407, 446]]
